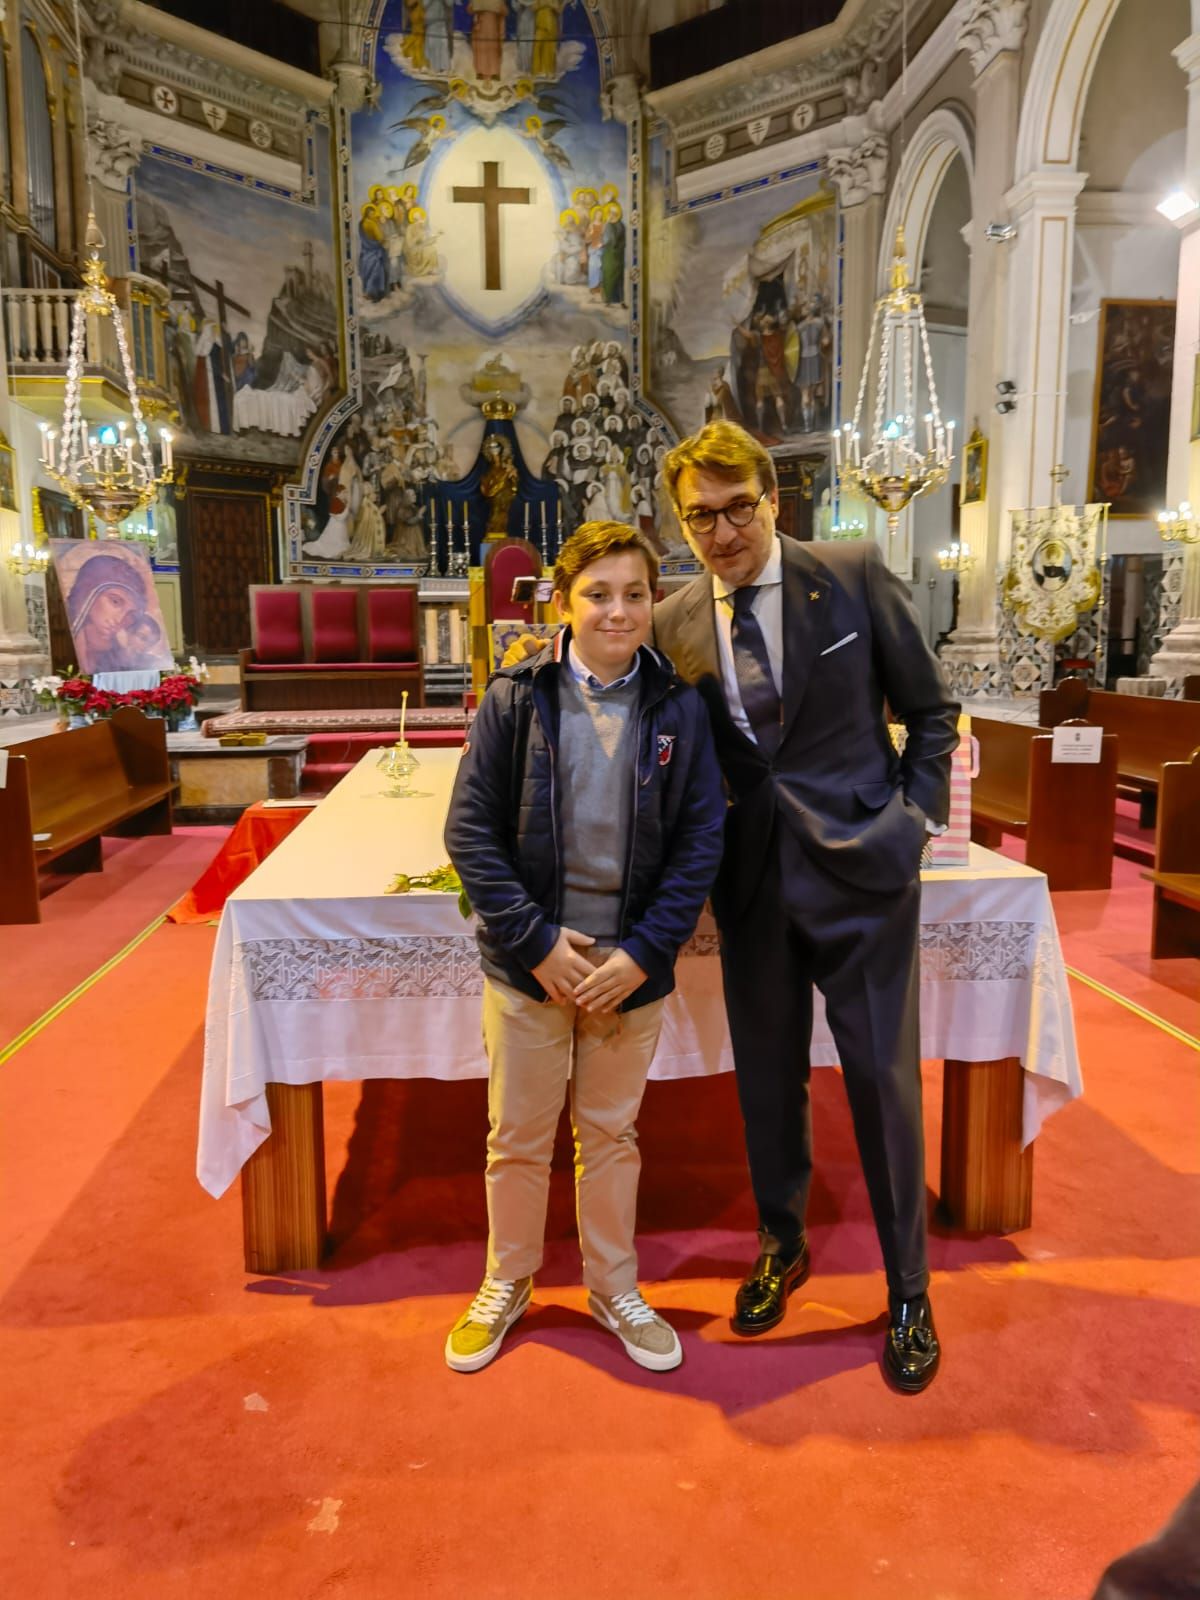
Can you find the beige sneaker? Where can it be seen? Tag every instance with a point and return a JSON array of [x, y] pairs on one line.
[[476, 1337], [648, 1339]]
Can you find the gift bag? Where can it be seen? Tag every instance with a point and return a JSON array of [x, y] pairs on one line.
[[953, 848]]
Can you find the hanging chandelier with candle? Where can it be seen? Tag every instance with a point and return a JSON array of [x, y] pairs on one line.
[[109, 468], [893, 463]]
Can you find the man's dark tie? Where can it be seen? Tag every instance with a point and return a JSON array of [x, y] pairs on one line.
[[752, 665]]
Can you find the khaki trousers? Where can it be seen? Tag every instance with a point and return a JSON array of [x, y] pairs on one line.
[[534, 1049]]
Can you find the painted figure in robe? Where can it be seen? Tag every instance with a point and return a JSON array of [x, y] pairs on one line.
[[487, 36]]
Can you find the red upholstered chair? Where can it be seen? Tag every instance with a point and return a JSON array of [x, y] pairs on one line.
[[392, 624], [277, 633], [505, 560], [335, 625]]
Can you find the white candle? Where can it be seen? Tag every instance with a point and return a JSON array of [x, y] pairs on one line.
[[949, 440], [403, 712], [837, 448], [543, 517], [527, 519], [929, 433]]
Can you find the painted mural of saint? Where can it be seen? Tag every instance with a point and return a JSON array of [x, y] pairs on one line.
[[439, 35], [595, 251], [487, 36], [612, 256], [413, 47], [372, 255], [525, 23], [420, 252], [545, 37]]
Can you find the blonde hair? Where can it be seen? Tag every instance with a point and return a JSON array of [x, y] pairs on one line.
[[591, 542], [723, 449]]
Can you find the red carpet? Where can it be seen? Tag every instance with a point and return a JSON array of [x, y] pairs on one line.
[[88, 916], [181, 1430]]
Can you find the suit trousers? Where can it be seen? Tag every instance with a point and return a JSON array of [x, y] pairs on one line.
[[534, 1048], [803, 927]]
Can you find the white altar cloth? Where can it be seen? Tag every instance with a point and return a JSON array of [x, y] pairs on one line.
[[318, 974]]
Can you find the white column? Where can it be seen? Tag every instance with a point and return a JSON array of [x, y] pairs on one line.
[[1180, 653], [971, 654], [20, 654], [859, 172], [1042, 207]]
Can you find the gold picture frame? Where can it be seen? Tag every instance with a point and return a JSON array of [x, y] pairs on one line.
[[1127, 468], [973, 488], [8, 476]]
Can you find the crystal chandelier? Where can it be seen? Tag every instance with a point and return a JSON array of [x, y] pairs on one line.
[[109, 471], [890, 467]]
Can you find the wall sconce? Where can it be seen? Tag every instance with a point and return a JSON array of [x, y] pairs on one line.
[[25, 559], [957, 558], [1179, 525]]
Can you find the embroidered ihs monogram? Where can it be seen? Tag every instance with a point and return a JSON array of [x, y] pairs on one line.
[[666, 744]]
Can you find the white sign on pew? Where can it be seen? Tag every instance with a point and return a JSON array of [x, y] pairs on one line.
[[1081, 745]]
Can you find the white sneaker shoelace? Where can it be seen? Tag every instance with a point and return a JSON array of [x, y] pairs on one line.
[[491, 1301], [633, 1308]]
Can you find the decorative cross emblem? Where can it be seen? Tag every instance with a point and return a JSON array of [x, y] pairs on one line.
[[491, 195], [165, 99]]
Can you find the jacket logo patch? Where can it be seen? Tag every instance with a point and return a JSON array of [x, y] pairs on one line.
[[666, 745]]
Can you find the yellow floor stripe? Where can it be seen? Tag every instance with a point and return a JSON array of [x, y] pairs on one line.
[[1138, 1011], [60, 1006]]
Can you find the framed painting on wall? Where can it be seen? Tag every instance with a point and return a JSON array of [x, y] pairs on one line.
[[1131, 417], [8, 476], [974, 475]]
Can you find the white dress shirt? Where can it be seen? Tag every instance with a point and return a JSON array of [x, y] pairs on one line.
[[768, 610]]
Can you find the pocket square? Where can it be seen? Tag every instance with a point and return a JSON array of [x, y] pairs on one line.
[[847, 640]]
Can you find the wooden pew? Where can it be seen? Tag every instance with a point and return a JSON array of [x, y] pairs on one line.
[[1065, 812], [1176, 876], [1150, 731], [109, 778]]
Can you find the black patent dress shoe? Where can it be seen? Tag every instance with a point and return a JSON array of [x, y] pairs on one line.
[[911, 1352], [762, 1297]]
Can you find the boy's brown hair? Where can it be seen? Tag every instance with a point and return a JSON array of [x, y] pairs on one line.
[[591, 542], [723, 449]]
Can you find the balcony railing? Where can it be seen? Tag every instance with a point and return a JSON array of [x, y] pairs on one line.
[[37, 325]]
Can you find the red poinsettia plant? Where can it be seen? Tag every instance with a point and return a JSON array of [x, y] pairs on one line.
[[172, 697]]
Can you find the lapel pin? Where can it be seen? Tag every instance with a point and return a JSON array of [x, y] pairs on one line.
[[814, 594]]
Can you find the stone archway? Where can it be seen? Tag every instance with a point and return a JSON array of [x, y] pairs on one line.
[[940, 138]]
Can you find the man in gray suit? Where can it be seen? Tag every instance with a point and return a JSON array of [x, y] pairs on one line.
[[796, 648]]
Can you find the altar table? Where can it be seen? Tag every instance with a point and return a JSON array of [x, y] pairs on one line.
[[319, 974]]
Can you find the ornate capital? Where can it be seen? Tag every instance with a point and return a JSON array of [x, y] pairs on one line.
[[622, 101], [112, 152], [860, 172], [354, 85], [990, 27]]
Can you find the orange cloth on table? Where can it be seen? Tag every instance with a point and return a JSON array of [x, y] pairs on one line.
[[252, 838]]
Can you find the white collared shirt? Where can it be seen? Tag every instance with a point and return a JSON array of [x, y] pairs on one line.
[[583, 675], [768, 610]]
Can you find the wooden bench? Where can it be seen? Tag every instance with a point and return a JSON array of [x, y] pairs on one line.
[[1065, 811], [109, 778], [1150, 732], [1176, 877]]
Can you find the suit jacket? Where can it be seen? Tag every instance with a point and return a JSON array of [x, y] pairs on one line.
[[852, 642]]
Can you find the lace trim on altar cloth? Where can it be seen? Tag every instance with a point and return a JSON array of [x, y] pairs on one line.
[[425, 966], [977, 952]]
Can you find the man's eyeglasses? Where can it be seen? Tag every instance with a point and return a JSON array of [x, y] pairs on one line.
[[740, 514]]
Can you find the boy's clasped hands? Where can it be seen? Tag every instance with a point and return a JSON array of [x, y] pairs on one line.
[[569, 978]]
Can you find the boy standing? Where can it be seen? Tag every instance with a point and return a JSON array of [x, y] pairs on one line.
[[586, 825]]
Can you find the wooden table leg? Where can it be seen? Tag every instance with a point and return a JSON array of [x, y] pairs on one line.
[[283, 1184], [987, 1179]]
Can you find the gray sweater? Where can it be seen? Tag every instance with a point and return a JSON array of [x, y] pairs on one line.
[[597, 760]]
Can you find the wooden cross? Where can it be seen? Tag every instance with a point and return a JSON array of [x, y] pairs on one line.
[[491, 195]]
